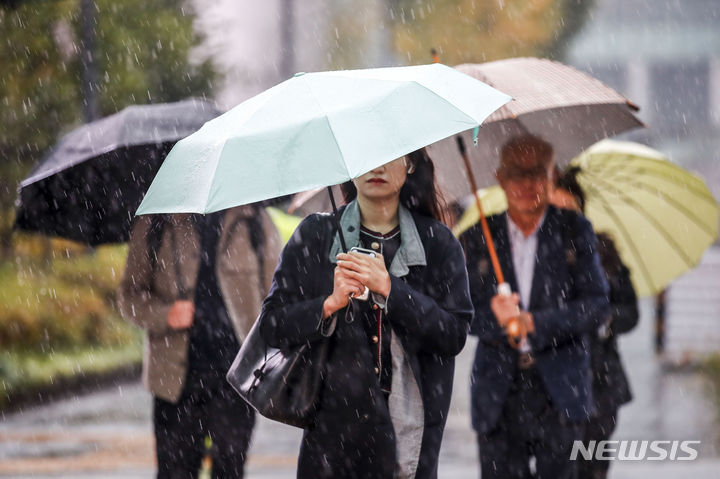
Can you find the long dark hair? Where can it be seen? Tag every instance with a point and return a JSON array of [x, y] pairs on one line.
[[419, 193]]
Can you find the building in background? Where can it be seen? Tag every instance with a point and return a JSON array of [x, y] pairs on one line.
[[664, 56]]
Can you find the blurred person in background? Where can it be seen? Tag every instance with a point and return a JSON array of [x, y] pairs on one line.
[[195, 284], [610, 384]]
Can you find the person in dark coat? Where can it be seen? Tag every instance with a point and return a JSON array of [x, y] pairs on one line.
[[533, 400], [389, 373], [611, 388]]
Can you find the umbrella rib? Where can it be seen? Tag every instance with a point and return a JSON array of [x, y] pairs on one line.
[[212, 181], [327, 120], [329, 124], [658, 227], [624, 163], [626, 234], [676, 204]]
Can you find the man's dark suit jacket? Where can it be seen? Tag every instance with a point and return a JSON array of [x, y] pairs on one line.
[[568, 301]]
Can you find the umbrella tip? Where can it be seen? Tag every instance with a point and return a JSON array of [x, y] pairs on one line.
[[632, 105]]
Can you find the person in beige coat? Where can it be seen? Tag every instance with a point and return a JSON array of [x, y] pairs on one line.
[[195, 284]]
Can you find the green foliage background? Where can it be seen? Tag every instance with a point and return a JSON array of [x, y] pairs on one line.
[[141, 53], [462, 31], [57, 299]]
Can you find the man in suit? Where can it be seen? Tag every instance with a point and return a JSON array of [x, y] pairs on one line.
[[531, 400]]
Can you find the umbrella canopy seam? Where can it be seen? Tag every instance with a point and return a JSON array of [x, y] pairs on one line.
[[628, 237], [658, 227], [668, 199], [329, 124], [697, 188]]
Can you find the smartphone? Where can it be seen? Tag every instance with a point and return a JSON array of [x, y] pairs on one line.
[[369, 252]]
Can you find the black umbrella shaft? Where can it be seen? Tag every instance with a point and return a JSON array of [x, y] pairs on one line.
[[337, 219]]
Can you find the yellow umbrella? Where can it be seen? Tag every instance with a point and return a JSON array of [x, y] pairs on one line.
[[284, 222], [661, 216]]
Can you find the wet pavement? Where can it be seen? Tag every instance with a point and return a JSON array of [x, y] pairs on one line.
[[108, 434]]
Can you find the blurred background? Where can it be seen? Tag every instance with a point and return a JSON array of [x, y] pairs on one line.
[[66, 62]]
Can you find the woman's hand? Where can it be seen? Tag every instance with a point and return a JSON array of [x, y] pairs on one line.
[[343, 287], [367, 270]]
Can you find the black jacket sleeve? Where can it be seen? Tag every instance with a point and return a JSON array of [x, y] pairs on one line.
[[623, 302], [290, 314], [437, 320]]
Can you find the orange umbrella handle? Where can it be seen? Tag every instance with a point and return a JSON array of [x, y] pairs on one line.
[[485, 229], [515, 330]]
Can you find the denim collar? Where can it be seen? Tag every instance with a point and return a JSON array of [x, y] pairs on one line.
[[410, 253]]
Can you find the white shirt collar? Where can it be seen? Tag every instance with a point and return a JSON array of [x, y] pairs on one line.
[[524, 252], [514, 230]]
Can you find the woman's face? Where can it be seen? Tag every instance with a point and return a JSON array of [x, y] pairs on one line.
[[384, 182]]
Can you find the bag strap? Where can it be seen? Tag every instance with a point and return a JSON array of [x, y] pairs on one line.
[[179, 284], [257, 237], [153, 239]]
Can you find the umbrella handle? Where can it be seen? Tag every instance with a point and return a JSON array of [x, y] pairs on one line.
[[516, 332], [337, 220], [483, 221]]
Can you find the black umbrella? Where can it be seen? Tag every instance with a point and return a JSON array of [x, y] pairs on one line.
[[88, 187]]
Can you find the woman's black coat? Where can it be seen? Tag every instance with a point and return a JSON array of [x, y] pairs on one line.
[[429, 309]]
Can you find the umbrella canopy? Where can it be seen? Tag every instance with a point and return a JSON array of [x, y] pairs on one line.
[[661, 217], [88, 186], [314, 130], [569, 109]]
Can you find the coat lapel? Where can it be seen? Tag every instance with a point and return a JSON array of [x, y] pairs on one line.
[[546, 255], [410, 253]]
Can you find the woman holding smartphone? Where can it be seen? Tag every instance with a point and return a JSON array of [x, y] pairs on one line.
[[389, 372]]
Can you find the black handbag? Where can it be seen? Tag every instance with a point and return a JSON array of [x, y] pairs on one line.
[[281, 384]]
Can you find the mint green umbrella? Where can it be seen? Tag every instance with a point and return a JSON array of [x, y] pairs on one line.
[[315, 130]]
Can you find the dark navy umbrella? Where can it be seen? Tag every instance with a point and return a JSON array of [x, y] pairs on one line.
[[88, 187]]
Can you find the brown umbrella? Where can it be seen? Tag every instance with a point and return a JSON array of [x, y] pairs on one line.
[[569, 109], [313, 201]]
